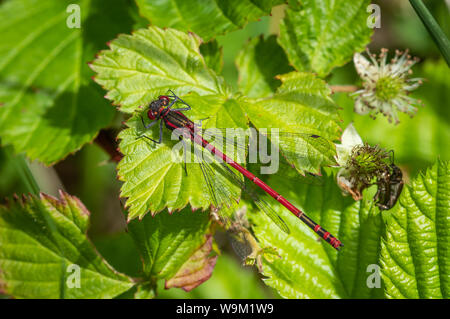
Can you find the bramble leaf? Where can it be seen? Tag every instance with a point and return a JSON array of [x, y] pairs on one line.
[[259, 62], [213, 55], [44, 247], [50, 105], [148, 63], [207, 18], [302, 104], [324, 34], [234, 281], [309, 267], [154, 174], [408, 243], [415, 256], [170, 244], [141, 66], [196, 270]]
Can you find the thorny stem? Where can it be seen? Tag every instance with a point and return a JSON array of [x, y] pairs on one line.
[[108, 143], [344, 88]]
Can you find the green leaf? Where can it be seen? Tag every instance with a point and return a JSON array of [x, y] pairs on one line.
[[138, 68], [258, 64], [415, 255], [213, 55], [409, 242], [120, 252], [324, 34], [43, 242], [230, 280], [168, 244], [309, 267], [207, 18], [141, 66], [196, 270], [302, 104], [145, 291], [51, 107], [155, 178], [154, 175]]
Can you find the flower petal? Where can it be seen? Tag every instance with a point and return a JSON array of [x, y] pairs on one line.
[[350, 137]]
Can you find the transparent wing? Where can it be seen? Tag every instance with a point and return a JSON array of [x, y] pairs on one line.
[[243, 138], [225, 205], [223, 199], [305, 151], [229, 216]]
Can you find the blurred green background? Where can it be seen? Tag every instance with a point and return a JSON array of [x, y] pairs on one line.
[[417, 143]]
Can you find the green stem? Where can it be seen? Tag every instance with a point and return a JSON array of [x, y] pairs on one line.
[[433, 28], [24, 172]]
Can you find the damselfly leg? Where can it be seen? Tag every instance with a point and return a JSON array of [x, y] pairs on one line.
[[175, 99], [161, 123]]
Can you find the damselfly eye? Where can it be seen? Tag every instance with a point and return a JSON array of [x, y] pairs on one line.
[[151, 114], [164, 99]]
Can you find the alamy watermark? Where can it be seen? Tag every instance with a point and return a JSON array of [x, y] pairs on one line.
[[73, 21], [374, 279], [74, 279], [374, 19]]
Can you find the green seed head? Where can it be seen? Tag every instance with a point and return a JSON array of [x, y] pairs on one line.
[[366, 162], [387, 88]]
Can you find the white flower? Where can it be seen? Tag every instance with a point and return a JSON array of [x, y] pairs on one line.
[[386, 85]]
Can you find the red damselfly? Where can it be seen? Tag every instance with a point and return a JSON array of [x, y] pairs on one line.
[[162, 111]]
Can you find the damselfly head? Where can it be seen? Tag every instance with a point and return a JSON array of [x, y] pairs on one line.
[[164, 100], [156, 106]]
